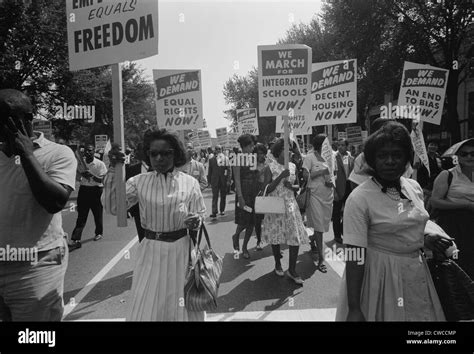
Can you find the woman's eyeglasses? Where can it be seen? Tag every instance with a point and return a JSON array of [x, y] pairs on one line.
[[466, 153], [162, 153]]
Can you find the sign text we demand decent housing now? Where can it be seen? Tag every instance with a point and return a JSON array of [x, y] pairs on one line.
[[334, 92], [423, 89], [110, 31], [284, 80], [179, 99]]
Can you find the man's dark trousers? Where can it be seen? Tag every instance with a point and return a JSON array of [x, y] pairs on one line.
[[221, 189], [88, 198]]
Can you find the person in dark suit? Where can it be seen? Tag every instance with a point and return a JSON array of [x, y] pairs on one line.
[[132, 170], [219, 177], [345, 164]]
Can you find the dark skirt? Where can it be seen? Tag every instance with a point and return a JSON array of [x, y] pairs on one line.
[[459, 224], [249, 192]]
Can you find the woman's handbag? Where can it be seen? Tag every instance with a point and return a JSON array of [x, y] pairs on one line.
[[455, 289], [303, 198], [202, 281], [269, 205]]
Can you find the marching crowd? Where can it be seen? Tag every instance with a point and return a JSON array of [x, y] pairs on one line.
[[408, 231]]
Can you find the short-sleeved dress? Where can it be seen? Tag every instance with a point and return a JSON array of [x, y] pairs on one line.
[[397, 284], [320, 206], [249, 188], [285, 228]]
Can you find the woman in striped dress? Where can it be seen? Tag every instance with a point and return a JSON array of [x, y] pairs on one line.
[[170, 203]]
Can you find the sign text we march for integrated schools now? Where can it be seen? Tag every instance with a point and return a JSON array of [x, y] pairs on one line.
[[247, 121], [424, 87], [334, 92], [179, 99], [284, 80], [110, 31]]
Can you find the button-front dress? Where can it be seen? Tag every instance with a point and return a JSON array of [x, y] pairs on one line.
[[397, 284]]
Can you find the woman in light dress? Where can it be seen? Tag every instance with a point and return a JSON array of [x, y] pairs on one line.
[[171, 204], [385, 228], [319, 211], [285, 228]]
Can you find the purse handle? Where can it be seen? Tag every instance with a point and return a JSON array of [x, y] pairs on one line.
[[203, 228]]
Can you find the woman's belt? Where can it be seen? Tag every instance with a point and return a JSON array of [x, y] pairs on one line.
[[166, 236]]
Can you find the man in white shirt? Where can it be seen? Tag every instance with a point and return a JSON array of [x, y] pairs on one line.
[[194, 168], [88, 198], [36, 179]]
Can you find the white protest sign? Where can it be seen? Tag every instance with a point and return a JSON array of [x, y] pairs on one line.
[[110, 31], [422, 92], [204, 138], [232, 139], [179, 99], [247, 121], [341, 135], [334, 92], [354, 135], [44, 126], [419, 145], [100, 142], [297, 123], [221, 134], [328, 155], [284, 80]]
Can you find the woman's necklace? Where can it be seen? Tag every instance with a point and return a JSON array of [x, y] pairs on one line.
[[391, 192]]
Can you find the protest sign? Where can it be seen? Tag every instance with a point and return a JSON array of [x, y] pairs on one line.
[[422, 92], [247, 121], [328, 155], [354, 135], [334, 92], [364, 134], [221, 134], [419, 145], [110, 31], [178, 99], [44, 126], [298, 125], [232, 139], [100, 143], [341, 135], [193, 138], [204, 139], [284, 80]]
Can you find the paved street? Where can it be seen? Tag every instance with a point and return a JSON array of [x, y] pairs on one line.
[[99, 276]]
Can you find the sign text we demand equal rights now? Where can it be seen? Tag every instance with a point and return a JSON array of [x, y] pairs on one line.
[[179, 99]]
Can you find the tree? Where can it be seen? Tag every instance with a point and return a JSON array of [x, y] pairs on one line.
[[242, 92], [34, 59]]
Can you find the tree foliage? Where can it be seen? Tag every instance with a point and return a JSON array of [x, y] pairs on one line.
[[34, 59]]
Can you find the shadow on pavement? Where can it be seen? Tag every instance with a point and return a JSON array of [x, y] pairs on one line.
[[103, 291]]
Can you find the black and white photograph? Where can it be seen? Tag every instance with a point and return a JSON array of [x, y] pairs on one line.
[[304, 164]]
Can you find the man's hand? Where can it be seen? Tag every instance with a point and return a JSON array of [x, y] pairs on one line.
[[20, 143]]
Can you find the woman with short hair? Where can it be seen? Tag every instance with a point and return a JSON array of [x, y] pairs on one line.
[[171, 205], [246, 191], [455, 202], [385, 228], [319, 210]]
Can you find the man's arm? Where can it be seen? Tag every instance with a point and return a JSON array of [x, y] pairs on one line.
[[51, 195]]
